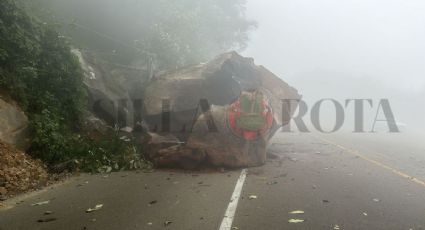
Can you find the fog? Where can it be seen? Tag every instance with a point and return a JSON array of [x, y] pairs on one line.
[[346, 49], [324, 48]]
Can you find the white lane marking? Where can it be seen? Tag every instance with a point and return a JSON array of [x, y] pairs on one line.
[[226, 224]]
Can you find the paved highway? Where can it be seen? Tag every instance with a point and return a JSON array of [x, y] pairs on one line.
[[314, 181]]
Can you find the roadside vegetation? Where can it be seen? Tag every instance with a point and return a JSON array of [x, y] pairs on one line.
[[39, 71]]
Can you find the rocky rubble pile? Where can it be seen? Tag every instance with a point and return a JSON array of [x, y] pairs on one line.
[[19, 172]]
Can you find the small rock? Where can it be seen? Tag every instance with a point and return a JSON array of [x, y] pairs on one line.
[[41, 203], [167, 222], [96, 208], [48, 213], [153, 202], [46, 220], [295, 221], [3, 191], [297, 212]]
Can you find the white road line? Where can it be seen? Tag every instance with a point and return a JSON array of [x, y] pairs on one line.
[[226, 224]]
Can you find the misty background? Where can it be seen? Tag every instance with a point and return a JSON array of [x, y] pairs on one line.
[[346, 49], [326, 49]]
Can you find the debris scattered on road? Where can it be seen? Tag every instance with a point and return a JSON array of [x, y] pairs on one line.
[[336, 227], [252, 197], [82, 184], [41, 203], [96, 208], [167, 222], [153, 202], [295, 221], [48, 213], [297, 212], [46, 220]]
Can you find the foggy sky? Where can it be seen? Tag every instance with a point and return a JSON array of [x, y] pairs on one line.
[[382, 40], [346, 49]]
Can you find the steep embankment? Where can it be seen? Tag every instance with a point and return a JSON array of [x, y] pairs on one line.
[[39, 71]]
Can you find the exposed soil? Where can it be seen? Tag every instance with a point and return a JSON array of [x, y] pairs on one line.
[[19, 172]]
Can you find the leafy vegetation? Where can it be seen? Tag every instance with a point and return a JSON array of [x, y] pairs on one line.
[[40, 72], [173, 33]]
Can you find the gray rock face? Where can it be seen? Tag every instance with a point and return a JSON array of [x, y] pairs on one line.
[[13, 125], [112, 88]]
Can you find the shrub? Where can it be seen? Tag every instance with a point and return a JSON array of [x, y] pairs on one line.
[[40, 72]]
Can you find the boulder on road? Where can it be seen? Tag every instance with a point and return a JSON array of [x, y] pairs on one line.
[[221, 113]]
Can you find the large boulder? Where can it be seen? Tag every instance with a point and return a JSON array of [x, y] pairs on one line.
[[221, 113], [220, 82], [13, 124]]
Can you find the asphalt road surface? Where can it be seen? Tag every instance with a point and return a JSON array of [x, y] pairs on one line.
[[339, 181]]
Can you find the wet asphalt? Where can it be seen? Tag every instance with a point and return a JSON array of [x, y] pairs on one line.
[[338, 181]]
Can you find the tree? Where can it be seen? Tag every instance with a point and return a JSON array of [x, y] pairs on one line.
[[174, 33]]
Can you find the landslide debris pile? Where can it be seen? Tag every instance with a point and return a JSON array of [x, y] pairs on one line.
[[19, 172], [221, 113]]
